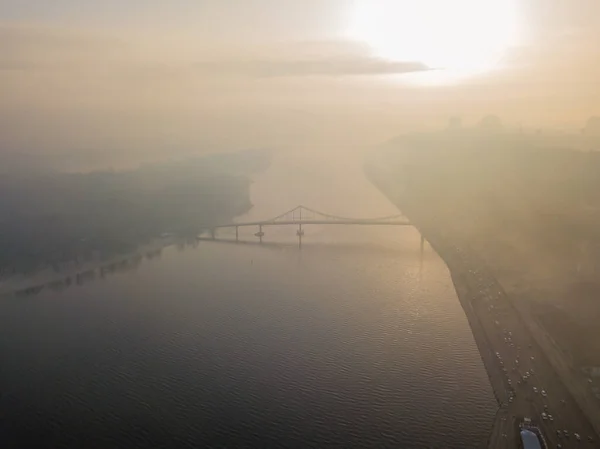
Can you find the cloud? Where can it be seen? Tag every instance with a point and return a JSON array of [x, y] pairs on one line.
[[29, 48], [330, 58], [316, 67]]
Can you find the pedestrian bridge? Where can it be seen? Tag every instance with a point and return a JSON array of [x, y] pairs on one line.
[[301, 216]]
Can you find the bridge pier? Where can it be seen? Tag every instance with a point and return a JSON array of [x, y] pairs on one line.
[[300, 233], [213, 233], [237, 235], [260, 233]]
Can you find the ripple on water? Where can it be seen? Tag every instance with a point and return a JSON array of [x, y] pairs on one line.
[[203, 348]]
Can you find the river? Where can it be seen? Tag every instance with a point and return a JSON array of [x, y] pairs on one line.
[[358, 340]]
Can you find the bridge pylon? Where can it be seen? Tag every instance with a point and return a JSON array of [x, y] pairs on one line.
[[300, 234], [260, 234]]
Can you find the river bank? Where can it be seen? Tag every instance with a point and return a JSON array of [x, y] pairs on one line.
[[78, 273], [508, 346]]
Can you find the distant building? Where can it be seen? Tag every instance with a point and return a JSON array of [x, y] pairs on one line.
[[454, 124], [530, 440], [592, 127], [491, 123]]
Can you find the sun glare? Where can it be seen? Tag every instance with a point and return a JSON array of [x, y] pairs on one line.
[[454, 35]]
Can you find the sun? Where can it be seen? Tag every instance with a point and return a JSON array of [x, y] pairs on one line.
[[455, 35]]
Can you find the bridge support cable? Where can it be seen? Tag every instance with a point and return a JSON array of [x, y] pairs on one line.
[[303, 213]]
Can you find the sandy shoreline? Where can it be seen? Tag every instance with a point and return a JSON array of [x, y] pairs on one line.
[[467, 292]]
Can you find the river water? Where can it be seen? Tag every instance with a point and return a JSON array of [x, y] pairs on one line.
[[358, 340]]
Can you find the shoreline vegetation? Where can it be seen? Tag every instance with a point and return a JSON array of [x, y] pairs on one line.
[[64, 227], [513, 221], [80, 273]]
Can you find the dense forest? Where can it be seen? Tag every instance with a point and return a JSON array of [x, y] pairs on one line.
[[48, 218]]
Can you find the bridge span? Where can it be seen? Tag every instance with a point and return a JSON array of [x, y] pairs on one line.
[[301, 216]]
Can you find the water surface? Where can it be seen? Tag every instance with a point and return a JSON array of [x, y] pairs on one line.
[[355, 341]]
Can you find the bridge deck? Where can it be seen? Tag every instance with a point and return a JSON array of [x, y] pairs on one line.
[[318, 222]]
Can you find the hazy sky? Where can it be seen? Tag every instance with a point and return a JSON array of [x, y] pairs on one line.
[[91, 74]]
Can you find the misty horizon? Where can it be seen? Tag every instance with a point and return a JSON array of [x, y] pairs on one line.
[[127, 77], [299, 223]]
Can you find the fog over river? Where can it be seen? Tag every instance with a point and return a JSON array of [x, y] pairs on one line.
[[354, 341]]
